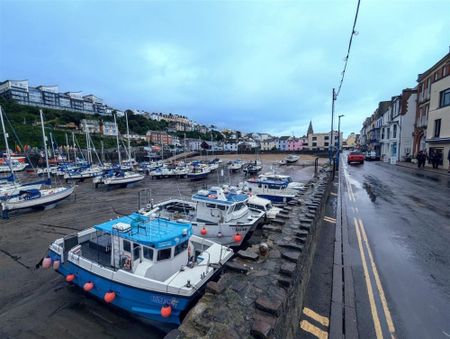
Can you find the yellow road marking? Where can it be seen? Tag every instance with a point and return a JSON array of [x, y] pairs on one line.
[[373, 307], [305, 325], [329, 219], [316, 316], [387, 313]]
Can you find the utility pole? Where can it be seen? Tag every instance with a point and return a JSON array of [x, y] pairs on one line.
[[339, 141], [330, 148]]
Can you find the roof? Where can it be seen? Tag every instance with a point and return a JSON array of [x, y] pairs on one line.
[[219, 197], [157, 233]]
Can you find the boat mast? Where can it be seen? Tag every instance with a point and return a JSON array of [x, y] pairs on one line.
[[67, 149], [103, 151], [128, 138], [5, 135], [74, 148], [117, 139], [44, 138], [53, 146]]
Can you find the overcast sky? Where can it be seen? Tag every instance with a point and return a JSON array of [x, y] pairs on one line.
[[264, 66]]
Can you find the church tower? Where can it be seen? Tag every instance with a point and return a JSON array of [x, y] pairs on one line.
[[310, 129]]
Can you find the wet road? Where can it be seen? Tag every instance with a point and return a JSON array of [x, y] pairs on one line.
[[38, 303], [399, 234]]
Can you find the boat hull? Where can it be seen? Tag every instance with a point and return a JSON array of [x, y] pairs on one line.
[[276, 199], [38, 202], [140, 302]]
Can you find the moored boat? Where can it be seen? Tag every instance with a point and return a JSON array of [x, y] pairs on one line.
[[151, 267], [214, 214]]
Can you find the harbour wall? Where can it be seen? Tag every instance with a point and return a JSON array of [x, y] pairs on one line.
[[261, 292]]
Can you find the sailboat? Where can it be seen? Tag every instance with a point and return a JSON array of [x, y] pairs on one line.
[[9, 187], [116, 176], [34, 197]]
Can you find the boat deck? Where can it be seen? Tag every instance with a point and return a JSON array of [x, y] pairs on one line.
[[98, 253]]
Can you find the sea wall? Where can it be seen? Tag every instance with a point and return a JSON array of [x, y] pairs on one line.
[[262, 289]]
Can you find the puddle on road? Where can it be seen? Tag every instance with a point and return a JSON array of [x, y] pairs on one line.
[[376, 189]]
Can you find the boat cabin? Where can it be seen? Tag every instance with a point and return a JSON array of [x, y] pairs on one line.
[[153, 249]]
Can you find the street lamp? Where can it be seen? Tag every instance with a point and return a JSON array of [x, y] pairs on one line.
[[339, 141]]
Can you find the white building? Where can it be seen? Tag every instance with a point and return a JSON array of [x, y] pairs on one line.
[[230, 146], [269, 144], [109, 128]]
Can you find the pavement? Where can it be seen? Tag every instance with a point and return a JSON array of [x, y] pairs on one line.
[[397, 258], [427, 168], [315, 319]]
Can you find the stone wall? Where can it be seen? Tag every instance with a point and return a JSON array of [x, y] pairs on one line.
[[261, 292]]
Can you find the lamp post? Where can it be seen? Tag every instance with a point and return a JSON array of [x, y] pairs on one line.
[[339, 140]]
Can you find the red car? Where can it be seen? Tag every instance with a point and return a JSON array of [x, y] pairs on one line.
[[355, 157]]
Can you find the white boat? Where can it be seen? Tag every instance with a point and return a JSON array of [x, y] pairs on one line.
[[291, 158], [151, 267], [198, 171], [36, 198], [260, 204], [16, 166], [10, 190], [52, 169], [85, 173], [118, 178], [275, 191], [214, 214], [235, 165]]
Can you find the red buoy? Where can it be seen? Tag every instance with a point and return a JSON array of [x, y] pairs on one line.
[[88, 286], [56, 264], [203, 231], [47, 262], [166, 311], [237, 238], [70, 277], [109, 296]]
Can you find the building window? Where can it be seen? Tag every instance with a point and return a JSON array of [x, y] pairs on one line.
[[437, 128], [314, 144], [445, 98], [314, 138], [326, 137], [394, 132], [326, 143], [382, 133]]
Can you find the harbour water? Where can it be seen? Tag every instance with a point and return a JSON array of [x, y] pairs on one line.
[[39, 303]]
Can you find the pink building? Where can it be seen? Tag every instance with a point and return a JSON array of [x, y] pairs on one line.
[[295, 144]]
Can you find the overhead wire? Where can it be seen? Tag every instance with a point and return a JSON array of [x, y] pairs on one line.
[[348, 50]]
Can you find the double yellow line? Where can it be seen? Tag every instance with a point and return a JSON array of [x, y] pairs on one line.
[[362, 237]]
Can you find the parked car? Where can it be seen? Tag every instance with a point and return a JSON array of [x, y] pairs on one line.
[[355, 157], [371, 156]]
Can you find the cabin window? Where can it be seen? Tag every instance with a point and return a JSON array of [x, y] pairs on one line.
[[221, 207], [239, 206], [164, 254], [148, 253], [181, 247], [136, 251], [268, 207], [211, 206], [126, 246]]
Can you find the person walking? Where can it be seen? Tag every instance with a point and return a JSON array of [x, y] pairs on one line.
[[419, 159]]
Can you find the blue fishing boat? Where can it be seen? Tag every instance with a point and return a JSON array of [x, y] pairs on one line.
[[151, 267]]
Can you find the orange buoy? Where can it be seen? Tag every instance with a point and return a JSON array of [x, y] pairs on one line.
[[56, 264], [166, 311], [203, 231], [109, 296], [88, 286], [237, 237], [70, 277], [46, 262]]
